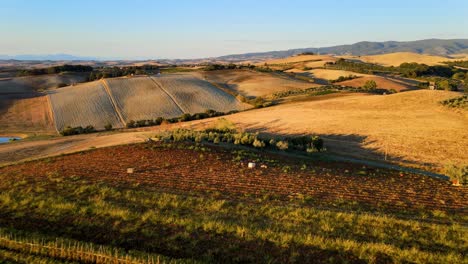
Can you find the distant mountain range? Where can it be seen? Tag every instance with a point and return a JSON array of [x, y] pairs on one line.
[[441, 47], [47, 57]]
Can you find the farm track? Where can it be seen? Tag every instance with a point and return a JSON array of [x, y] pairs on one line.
[[52, 113], [114, 104], [170, 95], [187, 171]]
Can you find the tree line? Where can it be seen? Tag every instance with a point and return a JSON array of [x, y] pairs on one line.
[[55, 69]]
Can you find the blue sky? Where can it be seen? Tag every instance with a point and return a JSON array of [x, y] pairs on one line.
[[204, 28]]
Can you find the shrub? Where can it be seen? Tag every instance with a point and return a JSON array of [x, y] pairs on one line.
[[68, 130], [457, 102], [370, 85], [282, 145], [130, 124], [258, 143], [158, 121], [457, 172], [108, 127], [185, 117], [344, 78], [303, 143], [317, 142], [89, 129]]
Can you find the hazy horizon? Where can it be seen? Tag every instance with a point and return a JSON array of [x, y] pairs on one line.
[[186, 29]]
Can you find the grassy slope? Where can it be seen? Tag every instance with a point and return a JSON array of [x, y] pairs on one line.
[[26, 115], [412, 127], [397, 58], [83, 105], [195, 95], [382, 83], [141, 98], [40, 82], [252, 83]]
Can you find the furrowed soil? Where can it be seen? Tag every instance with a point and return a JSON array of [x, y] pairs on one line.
[[186, 170], [202, 202]]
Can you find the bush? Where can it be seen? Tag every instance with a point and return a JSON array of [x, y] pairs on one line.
[[282, 145], [258, 143], [69, 131], [344, 78], [457, 102], [457, 172], [370, 85], [130, 124], [317, 143], [216, 136], [185, 117]]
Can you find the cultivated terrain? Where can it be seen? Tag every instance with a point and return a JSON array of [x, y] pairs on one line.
[[254, 158]]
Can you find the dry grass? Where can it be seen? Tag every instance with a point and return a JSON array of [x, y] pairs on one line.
[[39, 82], [301, 58], [195, 95], [397, 58], [252, 83], [460, 56], [382, 83], [82, 105], [26, 115], [411, 126], [332, 74], [140, 98]]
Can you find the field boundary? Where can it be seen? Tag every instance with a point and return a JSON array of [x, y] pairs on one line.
[[52, 113], [169, 94], [72, 251], [114, 104]]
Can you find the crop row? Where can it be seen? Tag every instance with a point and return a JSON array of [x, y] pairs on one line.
[[183, 170]]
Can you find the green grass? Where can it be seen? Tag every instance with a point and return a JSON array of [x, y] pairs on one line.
[[208, 228]]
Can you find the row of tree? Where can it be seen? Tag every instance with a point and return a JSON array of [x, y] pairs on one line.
[[55, 69], [110, 72]]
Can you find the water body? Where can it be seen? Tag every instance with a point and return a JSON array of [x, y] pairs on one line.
[[7, 139]]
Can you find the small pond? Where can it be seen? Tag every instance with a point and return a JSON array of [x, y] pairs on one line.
[[8, 139]]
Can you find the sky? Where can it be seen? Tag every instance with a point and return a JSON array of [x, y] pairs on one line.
[[158, 29]]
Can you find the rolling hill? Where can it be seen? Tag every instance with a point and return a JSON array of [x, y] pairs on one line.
[[118, 101], [40, 82], [254, 83], [412, 127], [141, 98], [397, 58], [440, 47], [83, 105]]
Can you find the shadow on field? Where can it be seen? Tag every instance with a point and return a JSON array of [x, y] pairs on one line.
[[8, 99], [174, 241], [347, 145]]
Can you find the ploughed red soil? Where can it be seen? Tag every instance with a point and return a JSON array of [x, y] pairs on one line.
[[179, 169]]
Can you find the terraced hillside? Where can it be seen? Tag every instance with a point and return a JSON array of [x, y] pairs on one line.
[[194, 95], [141, 98], [119, 100], [82, 105]]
